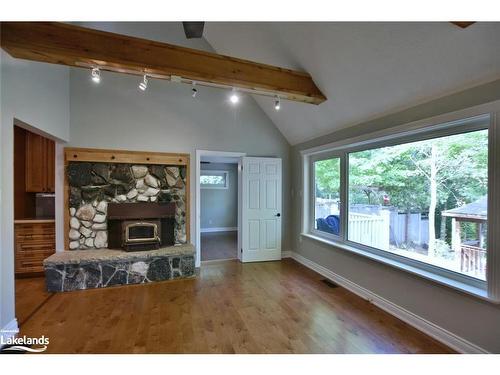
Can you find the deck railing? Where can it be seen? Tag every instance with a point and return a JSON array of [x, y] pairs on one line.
[[370, 230], [472, 260]]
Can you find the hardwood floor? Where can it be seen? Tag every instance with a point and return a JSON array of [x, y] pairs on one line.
[[30, 296], [219, 245], [271, 307]]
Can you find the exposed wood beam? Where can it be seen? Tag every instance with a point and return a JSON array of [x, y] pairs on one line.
[[71, 45]]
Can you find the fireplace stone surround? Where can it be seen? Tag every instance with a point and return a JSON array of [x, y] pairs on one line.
[[92, 186]]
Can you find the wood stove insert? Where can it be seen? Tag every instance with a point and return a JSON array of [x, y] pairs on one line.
[[140, 226]]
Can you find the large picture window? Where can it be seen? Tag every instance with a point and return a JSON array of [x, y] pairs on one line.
[[421, 197], [424, 200]]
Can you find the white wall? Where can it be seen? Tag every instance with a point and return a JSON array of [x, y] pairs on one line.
[[470, 318], [36, 94], [219, 207]]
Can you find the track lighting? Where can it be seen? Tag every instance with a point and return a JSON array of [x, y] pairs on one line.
[[234, 98], [277, 103], [144, 84], [96, 75], [194, 90]]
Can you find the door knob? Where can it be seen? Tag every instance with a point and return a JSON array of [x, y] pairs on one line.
[[278, 214]]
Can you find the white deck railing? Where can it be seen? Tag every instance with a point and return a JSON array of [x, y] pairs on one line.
[[370, 230]]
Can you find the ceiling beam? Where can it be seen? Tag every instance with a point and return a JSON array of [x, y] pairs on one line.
[[71, 45]]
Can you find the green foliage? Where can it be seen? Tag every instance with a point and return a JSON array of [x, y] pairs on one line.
[[402, 173], [327, 174]]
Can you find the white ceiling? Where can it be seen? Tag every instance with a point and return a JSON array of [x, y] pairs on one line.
[[366, 70]]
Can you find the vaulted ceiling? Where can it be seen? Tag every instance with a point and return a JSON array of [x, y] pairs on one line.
[[366, 70]]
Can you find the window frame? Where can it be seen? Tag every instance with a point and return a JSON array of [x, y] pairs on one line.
[[211, 172], [312, 229], [473, 119]]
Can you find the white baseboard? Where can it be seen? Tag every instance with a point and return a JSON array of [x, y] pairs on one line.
[[286, 254], [220, 229], [10, 330], [442, 335]]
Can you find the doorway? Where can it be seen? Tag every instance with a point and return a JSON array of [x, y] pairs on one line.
[[218, 209], [259, 199], [34, 216]]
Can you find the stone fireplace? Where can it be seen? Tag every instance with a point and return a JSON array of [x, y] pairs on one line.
[[123, 200], [93, 186]]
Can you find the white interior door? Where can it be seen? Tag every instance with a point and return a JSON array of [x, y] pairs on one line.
[[261, 211]]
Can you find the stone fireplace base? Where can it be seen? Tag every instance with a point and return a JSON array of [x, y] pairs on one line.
[[88, 269]]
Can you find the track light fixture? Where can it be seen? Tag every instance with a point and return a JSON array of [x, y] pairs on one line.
[[277, 103], [144, 84], [234, 98], [96, 75], [194, 90]]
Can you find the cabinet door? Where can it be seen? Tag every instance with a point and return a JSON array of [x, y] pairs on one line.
[[35, 163], [33, 243], [50, 165]]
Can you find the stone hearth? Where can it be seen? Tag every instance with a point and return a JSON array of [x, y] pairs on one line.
[[100, 268]]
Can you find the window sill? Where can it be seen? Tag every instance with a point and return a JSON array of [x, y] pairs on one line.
[[442, 280]]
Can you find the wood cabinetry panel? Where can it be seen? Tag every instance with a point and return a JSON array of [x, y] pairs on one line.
[[33, 243], [40, 164], [50, 178], [35, 155]]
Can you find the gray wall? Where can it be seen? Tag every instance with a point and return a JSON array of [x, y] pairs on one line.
[[38, 95], [470, 318], [219, 207]]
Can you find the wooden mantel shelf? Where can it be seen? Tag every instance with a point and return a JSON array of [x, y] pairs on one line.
[[121, 156]]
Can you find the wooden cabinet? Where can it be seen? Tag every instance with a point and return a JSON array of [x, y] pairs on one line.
[[40, 164], [33, 243], [50, 179]]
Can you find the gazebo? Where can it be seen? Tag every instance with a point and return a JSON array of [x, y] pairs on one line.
[[471, 252]]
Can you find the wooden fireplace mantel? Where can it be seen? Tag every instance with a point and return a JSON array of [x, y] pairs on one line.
[[122, 156], [75, 154]]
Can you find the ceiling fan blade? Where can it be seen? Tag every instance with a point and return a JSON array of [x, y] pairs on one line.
[[463, 24], [193, 29]]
